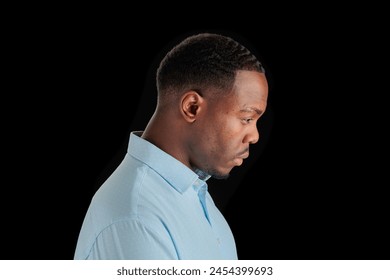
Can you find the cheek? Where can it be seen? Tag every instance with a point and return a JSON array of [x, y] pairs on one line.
[[227, 134], [230, 127], [221, 131]]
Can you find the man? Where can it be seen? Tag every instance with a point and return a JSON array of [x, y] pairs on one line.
[[155, 205]]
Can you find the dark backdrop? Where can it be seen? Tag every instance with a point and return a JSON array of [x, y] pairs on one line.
[[314, 187]]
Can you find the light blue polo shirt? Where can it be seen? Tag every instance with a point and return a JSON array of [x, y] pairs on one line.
[[154, 207]]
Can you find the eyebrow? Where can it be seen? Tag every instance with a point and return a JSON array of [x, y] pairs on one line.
[[251, 109]]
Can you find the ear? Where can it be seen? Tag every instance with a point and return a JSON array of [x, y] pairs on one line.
[[191, 105]]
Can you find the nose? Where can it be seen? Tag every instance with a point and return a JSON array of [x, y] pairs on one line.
[[252, 136]]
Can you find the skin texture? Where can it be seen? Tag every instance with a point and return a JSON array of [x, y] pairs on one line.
[[211, 133]]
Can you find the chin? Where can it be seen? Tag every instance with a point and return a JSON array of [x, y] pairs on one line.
[[216, 173], [219, 174]]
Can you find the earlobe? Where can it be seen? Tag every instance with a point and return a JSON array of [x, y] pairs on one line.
[[190, 105]]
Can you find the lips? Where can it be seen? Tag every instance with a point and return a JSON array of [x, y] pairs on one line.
[[240, 157], [243, 155]]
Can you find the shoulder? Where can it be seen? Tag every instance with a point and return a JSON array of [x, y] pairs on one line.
[[131, 238]]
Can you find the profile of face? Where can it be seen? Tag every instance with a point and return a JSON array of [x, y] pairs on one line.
[[225, 127]]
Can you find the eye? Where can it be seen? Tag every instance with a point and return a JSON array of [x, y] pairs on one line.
[[247, 120]]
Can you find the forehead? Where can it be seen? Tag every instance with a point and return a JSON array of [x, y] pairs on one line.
[[250, 90]]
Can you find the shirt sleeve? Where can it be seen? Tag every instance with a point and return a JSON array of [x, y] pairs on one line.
[[132, 240]]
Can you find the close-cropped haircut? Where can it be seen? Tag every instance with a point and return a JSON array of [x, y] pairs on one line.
[[202, 62]]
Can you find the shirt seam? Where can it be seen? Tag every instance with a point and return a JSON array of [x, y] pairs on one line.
[[134, 218]]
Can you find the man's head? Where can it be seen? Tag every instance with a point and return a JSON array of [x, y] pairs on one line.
[[203, 62], [215, 90]]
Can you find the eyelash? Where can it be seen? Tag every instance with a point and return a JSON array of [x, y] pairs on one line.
[[247, 120]]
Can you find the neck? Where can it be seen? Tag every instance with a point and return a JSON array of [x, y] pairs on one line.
[[167, 135]]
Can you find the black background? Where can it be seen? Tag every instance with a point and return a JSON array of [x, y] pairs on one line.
[[79, 82]]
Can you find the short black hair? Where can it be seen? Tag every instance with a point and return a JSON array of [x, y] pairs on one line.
[[204, 61]]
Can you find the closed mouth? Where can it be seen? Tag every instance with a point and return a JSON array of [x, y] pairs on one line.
[[244, 155]]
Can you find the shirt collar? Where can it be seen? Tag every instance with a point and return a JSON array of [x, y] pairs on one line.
[[179, 176]]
